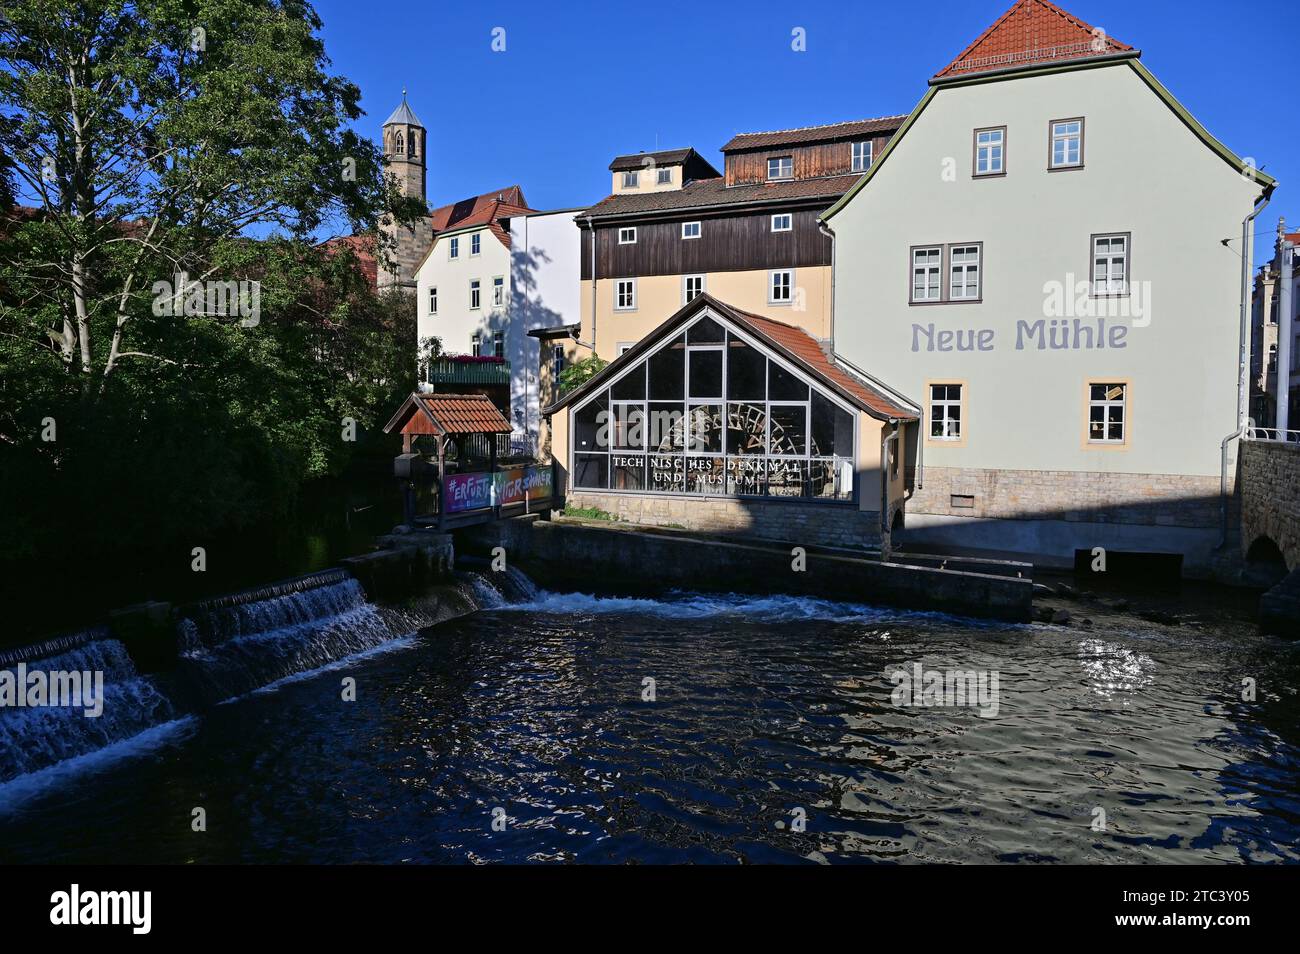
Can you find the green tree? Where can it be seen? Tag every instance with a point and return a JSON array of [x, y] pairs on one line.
[[580, 372]]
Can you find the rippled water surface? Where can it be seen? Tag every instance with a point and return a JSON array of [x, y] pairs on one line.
[[765, 713]]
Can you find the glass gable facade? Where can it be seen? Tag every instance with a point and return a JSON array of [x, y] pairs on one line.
[[708, 413]]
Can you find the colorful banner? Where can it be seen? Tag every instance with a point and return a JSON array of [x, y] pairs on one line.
[[477, 491]]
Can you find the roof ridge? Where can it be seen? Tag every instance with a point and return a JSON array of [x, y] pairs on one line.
[[842, 122]]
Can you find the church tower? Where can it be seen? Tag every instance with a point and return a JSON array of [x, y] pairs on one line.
[[404, 152]]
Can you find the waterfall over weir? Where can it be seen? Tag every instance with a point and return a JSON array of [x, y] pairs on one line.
[[227, 647]]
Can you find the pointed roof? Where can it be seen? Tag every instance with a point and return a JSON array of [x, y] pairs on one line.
[[789, 342], [1030, 33], [403, 114]]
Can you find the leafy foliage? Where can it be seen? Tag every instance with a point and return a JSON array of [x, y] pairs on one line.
[[580, 372]]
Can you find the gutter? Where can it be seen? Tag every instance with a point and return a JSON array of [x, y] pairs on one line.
[[884, 480], [1072, 63], [1243, 361], [830, 234]]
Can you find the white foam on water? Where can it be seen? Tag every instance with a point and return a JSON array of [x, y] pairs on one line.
[[393, 645]]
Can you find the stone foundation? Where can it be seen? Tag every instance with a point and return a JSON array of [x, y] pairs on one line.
[[1270, 494], [827, 525]]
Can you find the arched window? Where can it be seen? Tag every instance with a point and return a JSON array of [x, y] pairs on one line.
[[399, 145], [711, 412]]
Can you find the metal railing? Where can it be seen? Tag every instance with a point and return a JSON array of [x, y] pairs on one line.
[[1272, 434], [451, 371]]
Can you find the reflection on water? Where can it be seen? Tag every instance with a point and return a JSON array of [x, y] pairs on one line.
[[762, 709]]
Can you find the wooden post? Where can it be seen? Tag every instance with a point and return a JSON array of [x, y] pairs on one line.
[[442, 483]]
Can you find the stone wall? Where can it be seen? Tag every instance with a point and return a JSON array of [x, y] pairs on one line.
[[1270, 497], [829, 525], [1163, 500]]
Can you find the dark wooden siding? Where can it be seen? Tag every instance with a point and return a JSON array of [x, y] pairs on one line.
[[810, 161], [727, 243]]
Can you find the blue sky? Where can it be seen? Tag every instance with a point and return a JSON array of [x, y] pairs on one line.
[[579, 83]]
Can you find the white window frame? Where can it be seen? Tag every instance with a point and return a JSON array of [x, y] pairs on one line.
[[498, 344], [498, 291], [686, 228], [476, 345], [620, 286], [1109, 404], [631, 179], [788, 218], [1000, 145], [664, 176], [625, 346], [1109, 286], [627, 235], [433, 299], [861, 156], [475, 294], [687, 298], [787, 287], [967, 269], [1064, 137], [782, 163], [946, 403], [475, 244], [453, 247], [929, 268]]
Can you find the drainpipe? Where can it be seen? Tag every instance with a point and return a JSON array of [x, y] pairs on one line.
[[593, 284], [904, 400], [1243, 364], [830, 234]]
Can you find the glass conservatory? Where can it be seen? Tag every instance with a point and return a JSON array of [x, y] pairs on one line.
[[710, 411]]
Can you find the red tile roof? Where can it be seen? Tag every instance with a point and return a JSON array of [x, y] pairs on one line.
[[362, 246], [1030, 33], [715, 192], [446, 414], [808, 351]]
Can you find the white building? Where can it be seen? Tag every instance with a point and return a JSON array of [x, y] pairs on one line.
[[1048, 257], [483, 285]]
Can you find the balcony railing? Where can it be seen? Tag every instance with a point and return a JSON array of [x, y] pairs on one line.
[[466, 370]]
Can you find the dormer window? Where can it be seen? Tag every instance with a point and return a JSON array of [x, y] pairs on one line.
[[631, 179], [664, 176], [861, 156], [780, 167]]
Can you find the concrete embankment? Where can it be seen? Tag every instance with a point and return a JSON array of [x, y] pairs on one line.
[[579, 555]]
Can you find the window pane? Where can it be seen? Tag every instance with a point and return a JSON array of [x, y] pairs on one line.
[[786, 478], [704, 429], [706, 373], [705, 475], [666, 426], [784, 386], [789, 430], [746, 428], [668, 371], [631, 386], [746, 475], [627, 471], [705, 331], [628, 423], [830, 479], [832, 429], [591, 470], [587, 422], [746, 371], [666, 473]]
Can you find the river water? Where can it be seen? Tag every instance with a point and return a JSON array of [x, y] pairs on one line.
[[529, 731]]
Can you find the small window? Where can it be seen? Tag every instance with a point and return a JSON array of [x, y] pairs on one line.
[[690, 230], [625, 294], [627, 236], [926, 263], [631, 179], [780, 286], [499, 344], [433, 299], [475, 243], [1106, 412], [861, 156], [1066, 144], [990, 148], [557, 362], [476, 346], [664, 176], [498, 291], [625, 346], [1110, 258], [453, 250], [475, 290], [945, 412], [784, 222], [780, 167], [964, 272], [692, 288]]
